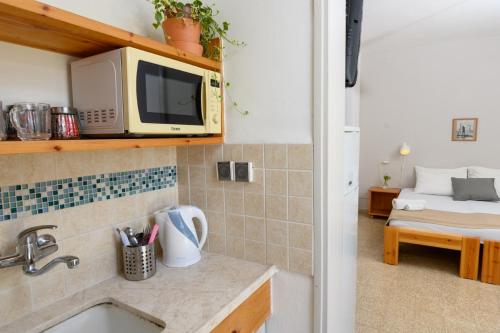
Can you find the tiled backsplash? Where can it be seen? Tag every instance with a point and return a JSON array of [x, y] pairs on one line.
[[42, 197], [88, 230], [268, 221]]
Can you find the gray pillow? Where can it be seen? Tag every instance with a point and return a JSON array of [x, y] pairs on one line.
[[480, 189]]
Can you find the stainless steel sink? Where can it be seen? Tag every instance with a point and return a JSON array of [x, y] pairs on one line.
[[105, 318]]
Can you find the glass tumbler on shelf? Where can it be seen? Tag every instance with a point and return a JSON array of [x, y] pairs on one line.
[[32, 121], [3, 123]]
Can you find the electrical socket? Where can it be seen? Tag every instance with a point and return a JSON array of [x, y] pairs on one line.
[[243, 172], [225, 171]]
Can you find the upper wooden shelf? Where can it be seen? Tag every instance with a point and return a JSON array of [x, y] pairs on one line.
[[51, 146], [35, 24]]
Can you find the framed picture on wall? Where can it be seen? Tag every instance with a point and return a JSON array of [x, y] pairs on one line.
[[464, 129]]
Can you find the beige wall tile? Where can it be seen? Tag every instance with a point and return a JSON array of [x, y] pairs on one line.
[[255, 229], [215, 200], [103, 241], [233, 152], [216, 222], [276, 182], [198, 196], [300, 209], [183, 195], [275, 156], [182, 155], [72, 164], [277, 255], [8, 233], [257, 186], [255, 251], [235, 226], [166, 156], [255, 154], [276, 207], [300, 183], [301, 261], [217, 243], [300, 157], [213, 154], [196, 155], [211, 176], [48, 288], [11, 276], [16, 302], [27, 168], [234, 202], [197, 176], [277, 232], [301, 236], [254, 204], [183, 175], [234, 186], [235, 247]]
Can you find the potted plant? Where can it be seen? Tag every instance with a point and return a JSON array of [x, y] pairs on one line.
[[387, 178], [191, 26]]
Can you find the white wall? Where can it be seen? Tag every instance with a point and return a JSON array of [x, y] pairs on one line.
[[31, 75], [412, 95], [353, 105], [272, 75], [292, 302]]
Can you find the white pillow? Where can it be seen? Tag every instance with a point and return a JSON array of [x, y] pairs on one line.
[[437, 181], [480, 172]]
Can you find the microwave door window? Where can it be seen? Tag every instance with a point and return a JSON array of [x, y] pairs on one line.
[[168, 96]]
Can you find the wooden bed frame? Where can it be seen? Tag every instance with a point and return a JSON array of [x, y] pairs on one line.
[[490, 272], [469, 248]]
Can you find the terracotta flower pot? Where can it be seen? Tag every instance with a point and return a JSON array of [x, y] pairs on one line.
[[183, 33]]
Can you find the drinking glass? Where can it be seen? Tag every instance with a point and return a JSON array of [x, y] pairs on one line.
[[3, 123], [32, 121]]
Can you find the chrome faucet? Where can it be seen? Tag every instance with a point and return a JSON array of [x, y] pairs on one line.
[[31, 248]]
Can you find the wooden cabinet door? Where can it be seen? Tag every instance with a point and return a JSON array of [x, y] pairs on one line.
[[250, 315]]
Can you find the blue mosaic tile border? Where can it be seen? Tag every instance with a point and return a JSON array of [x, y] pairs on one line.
[[38, 198]]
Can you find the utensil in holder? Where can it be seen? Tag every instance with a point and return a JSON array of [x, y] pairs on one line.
[[139, 262]]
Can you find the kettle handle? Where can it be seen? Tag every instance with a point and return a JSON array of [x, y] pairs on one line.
[[204, 226]]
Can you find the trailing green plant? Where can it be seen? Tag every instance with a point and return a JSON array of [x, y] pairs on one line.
[[205, 14]]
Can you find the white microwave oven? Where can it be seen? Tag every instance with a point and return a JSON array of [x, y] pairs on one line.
[[132, 92]]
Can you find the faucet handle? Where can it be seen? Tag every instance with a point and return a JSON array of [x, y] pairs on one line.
[[30, 235]]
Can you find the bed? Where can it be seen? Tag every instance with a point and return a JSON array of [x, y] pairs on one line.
[[465, 240]]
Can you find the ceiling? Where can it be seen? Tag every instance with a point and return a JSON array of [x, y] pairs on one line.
[[390, 23]]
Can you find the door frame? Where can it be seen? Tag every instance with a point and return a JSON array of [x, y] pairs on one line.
[[328, 128]]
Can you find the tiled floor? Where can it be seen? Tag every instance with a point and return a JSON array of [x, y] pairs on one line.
[[421, 294]]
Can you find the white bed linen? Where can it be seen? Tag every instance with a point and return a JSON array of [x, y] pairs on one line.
[[446, 203]]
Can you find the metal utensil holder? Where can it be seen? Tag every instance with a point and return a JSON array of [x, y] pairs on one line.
[[139, 262]]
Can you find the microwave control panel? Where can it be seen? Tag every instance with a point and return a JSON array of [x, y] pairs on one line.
[[214, 103]]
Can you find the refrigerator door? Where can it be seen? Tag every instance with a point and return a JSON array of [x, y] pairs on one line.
[[349, 260], [351, 161]]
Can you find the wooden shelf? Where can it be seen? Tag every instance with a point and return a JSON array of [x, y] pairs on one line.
[[35, 24], [50, 146]]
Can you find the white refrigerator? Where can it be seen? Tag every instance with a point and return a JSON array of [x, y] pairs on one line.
[[350, 227]]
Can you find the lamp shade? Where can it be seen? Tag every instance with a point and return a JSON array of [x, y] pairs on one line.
[[405, 149]]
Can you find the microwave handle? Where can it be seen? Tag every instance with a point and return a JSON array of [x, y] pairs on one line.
[[204, 99]]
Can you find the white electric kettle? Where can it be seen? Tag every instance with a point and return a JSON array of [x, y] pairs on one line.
[[178, 238]]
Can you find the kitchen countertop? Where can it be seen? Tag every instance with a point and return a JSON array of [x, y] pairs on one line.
[[190, 299]]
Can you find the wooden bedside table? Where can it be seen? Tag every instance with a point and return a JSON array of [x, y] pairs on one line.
[[380, 201]]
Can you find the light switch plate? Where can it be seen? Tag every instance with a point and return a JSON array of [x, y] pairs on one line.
[[243, 172], [225, 171]]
